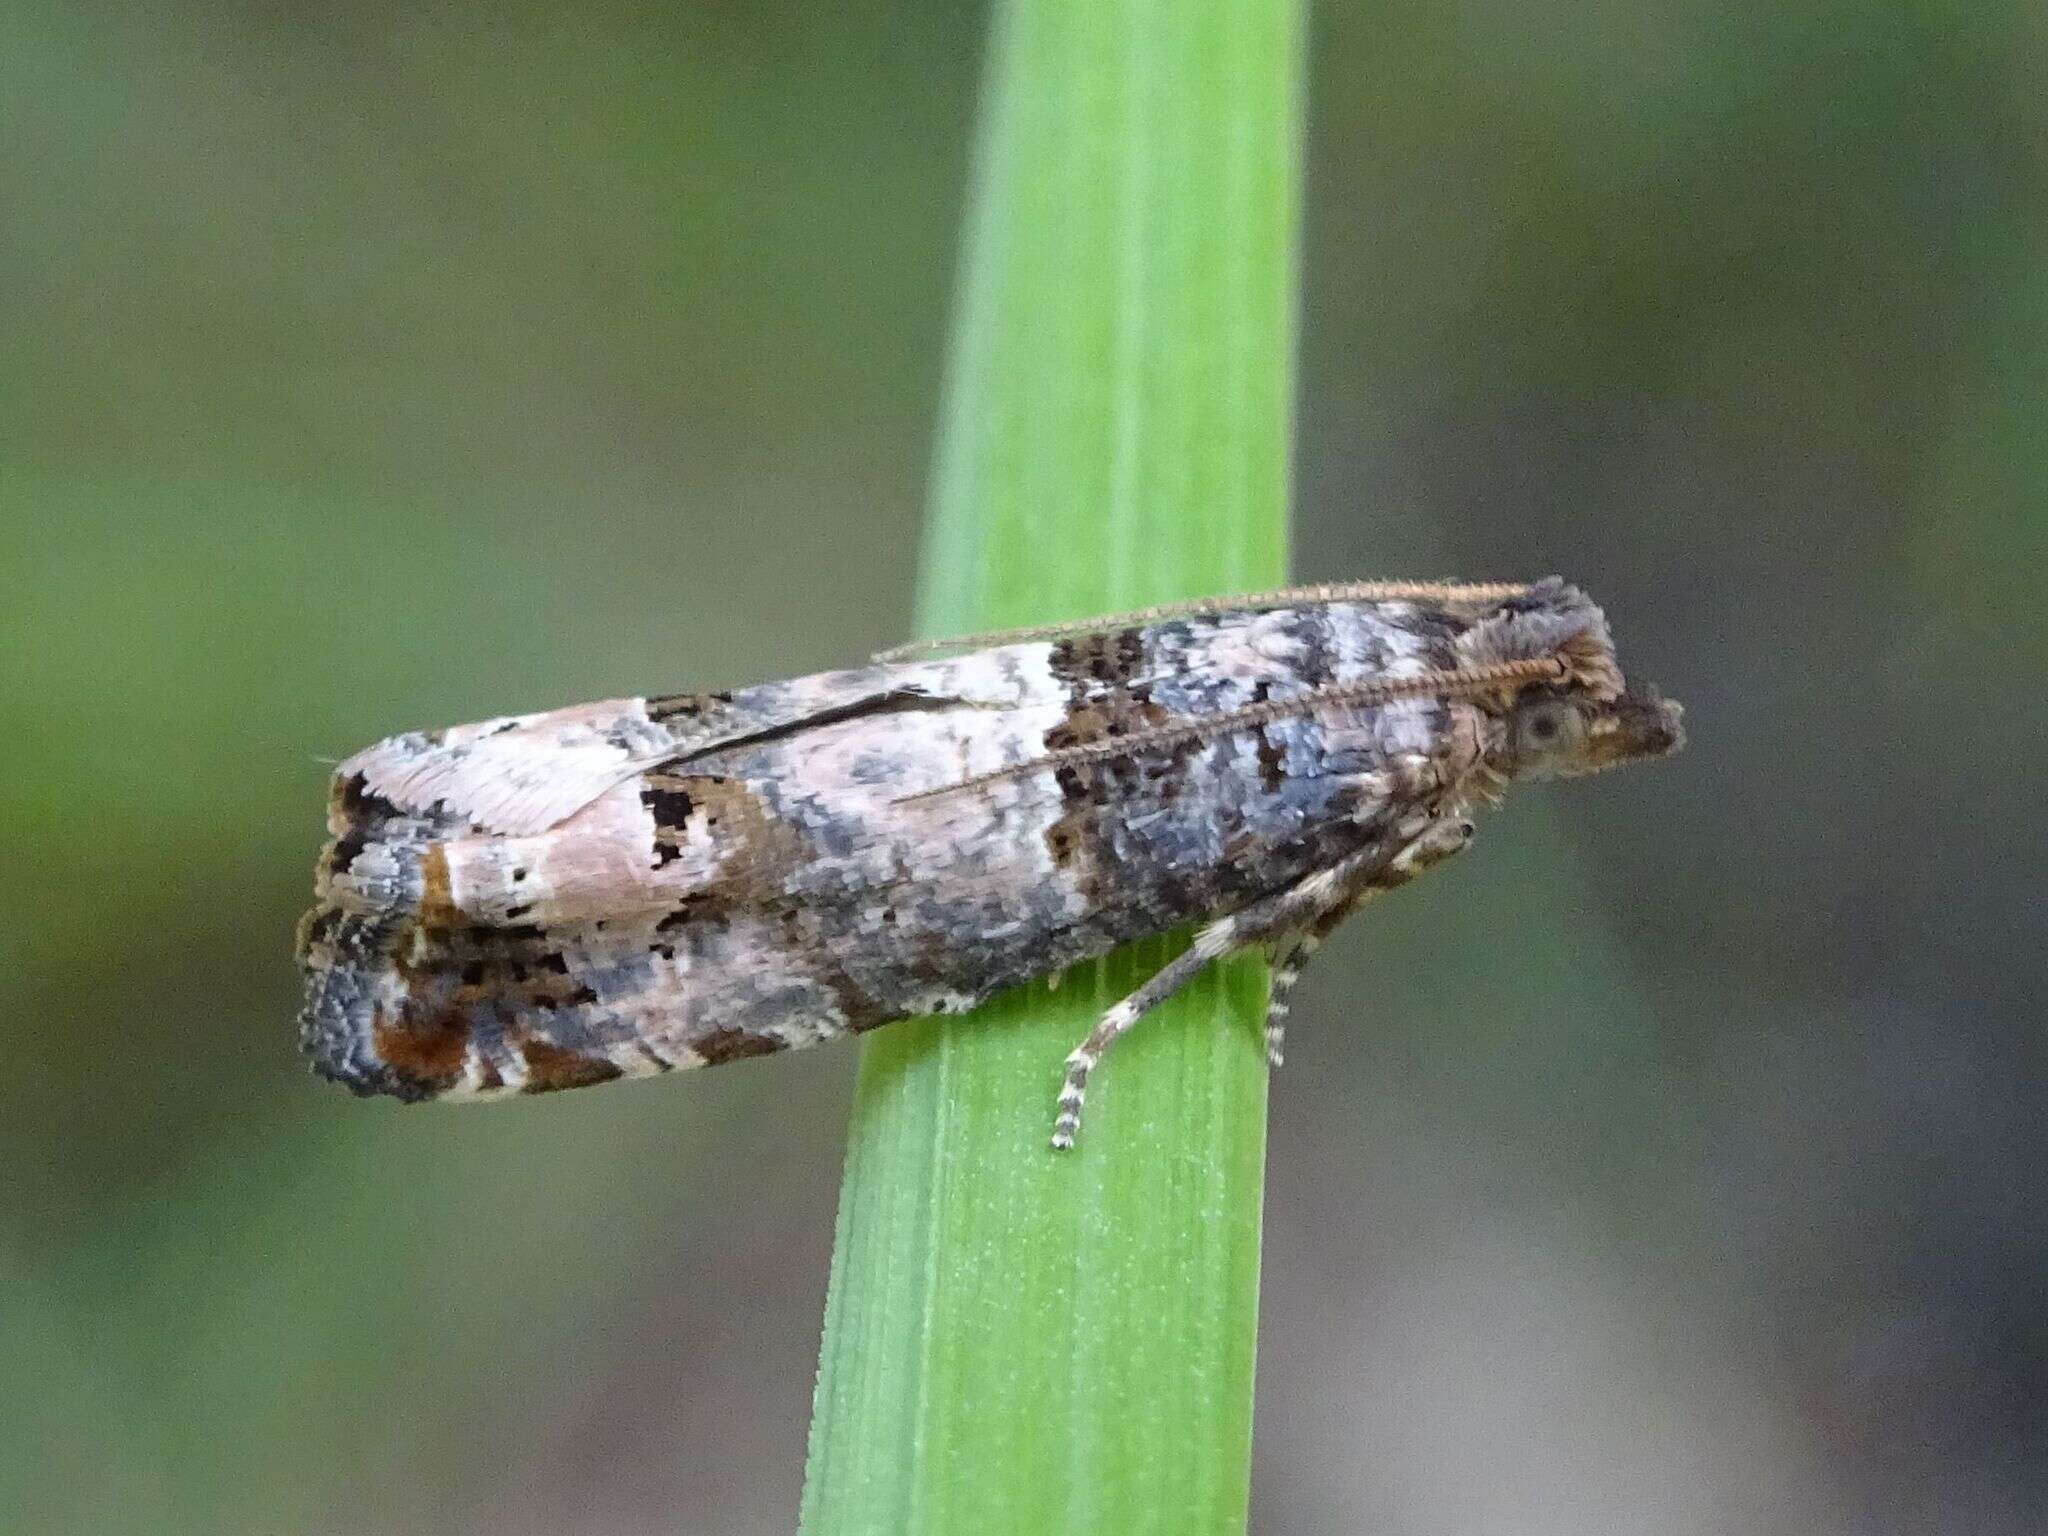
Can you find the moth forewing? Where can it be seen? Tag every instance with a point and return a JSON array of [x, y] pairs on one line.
[[623, 888]]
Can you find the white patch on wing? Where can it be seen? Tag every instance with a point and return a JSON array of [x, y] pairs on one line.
[[515, 776], [600, 863]]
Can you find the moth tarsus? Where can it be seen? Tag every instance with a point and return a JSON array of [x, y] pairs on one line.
[[624, 888]]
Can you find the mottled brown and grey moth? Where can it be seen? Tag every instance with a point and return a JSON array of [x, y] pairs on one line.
[[624, 888]]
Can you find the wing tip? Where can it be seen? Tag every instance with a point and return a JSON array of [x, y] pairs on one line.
[[341, 1029]]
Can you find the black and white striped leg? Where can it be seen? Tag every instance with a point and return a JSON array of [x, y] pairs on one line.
[[1289, 955], [1252, 924], [1295, 920], [1084, 1058], [1438, 841]]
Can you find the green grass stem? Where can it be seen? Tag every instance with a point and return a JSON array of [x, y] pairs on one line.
[[1017, 1341]]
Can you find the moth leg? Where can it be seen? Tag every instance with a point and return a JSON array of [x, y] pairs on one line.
[[1303, 914], [1222, 937], [1277, 913], [1084, 1058], [1433, 845], [1289, 954]]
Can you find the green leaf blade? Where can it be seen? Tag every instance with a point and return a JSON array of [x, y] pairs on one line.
[[1017, 1340]]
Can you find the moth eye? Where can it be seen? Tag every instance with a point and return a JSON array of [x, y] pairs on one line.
[[1548, 726]]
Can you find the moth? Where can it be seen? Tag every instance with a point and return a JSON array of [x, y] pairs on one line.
[[640, 885]]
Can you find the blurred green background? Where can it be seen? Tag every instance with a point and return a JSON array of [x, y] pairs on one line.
[[1672, 1164]]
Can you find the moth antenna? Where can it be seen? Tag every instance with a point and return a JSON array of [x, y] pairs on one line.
[[1462, 682], [1447, 592]]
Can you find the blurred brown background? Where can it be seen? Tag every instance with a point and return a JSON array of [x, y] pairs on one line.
[[1672, 1164]]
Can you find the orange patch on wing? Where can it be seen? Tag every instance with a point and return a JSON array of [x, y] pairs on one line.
[[720, 1045], [430, 1053], [549, 1067], [437, 896]]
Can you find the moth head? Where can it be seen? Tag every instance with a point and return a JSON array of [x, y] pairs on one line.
[[1583, 716], [1563, 732]]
